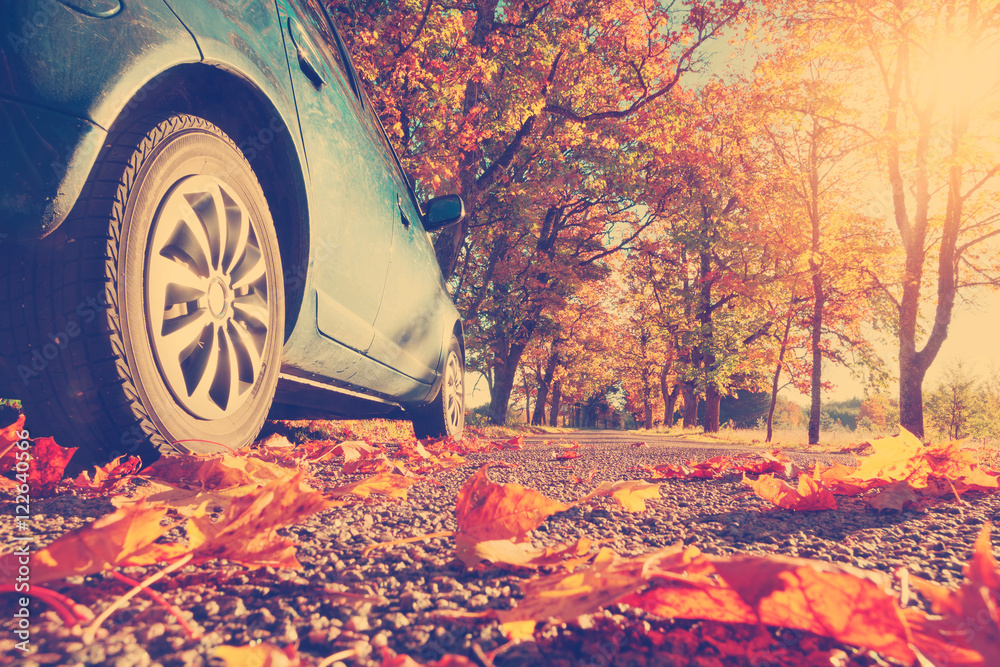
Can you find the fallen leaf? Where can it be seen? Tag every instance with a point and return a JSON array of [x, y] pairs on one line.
[[109, 477], [102, 544], [968, 616], [384, 484], [630, 494], [810, 495], [489, 511], [264, 654], [893, 497], [246, 532], [217, 471], [48, 462]]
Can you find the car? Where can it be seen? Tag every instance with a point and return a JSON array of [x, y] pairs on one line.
[[203, 225]]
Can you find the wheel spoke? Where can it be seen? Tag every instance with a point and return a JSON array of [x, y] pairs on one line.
[[251, 310], [249, 348], [199, 363], [188, 245], [249, 269], [237, 234]]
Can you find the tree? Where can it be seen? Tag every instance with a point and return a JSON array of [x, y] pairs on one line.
[[931, 94], [952, 403]]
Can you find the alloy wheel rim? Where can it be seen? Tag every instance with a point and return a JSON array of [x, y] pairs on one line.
[[454, 396], [206, 297]]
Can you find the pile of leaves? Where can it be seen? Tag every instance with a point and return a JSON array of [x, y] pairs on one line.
[[186, 510]]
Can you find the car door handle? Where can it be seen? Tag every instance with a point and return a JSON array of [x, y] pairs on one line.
[[306, 52]]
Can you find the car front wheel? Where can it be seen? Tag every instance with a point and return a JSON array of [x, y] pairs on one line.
[[152, 319]]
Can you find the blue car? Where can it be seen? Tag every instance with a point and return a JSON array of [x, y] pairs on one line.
[[203, 225]]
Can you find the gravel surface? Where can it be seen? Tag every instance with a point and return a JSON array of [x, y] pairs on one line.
[[391, 596]]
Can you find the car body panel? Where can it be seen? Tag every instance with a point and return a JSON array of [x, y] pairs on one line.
[[375, 316], [44, 162], [34, 70]]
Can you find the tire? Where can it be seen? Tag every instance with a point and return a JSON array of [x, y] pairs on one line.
[[445, 415], [151, 320]]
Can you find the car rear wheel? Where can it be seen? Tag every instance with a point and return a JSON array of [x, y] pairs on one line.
[[445, 416], [152, 319]]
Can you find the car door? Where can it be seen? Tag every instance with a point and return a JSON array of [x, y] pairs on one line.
[[351, 198], [410, 327]]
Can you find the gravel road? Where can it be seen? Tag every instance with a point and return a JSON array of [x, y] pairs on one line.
[[390, 597]]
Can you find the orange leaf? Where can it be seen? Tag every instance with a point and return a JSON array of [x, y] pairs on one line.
[[110, 477], [48, 464], [810, 495], [218, 471], [566, 596], [969, 615], [264, 654], [850, 605], [102, 544], [893, 497], [246, 532], [488, 511], [385, 484], [9, 436], [630, 494]]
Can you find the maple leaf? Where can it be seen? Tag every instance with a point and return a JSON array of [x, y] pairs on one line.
[[385, 484], [264, 654], [768, 462], [710, 467], [352, 450], [217, 471], [489, 511], [246, 532], [583, 480], [810, 495], [49, 461], [848, 604], [670, 470], [110, 477], [508, 552], [9, 436], [567, 596], [894, 458], [105, 543], [968, 622], [512, 444], [449, 660], [838, 478], [894, 497], [630, 494]]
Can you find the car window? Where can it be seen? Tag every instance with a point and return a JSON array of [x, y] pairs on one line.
[[315, 13]]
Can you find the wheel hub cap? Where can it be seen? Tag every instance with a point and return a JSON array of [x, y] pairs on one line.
[[217, 301], [206, 297]]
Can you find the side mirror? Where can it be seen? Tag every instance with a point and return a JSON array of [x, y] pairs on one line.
[[443, 212]]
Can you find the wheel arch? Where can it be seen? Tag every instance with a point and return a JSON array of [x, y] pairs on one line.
[[267, 139]]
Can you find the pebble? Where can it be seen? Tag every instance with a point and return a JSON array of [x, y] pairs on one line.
[[417, 580]]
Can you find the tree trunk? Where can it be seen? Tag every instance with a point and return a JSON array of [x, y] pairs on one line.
[[556, 396], [690, 394], [816, 268], [713, 400], [647, 400], [544, 382], [670, 405], [777, 377], [503, 386], [541, 398]]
